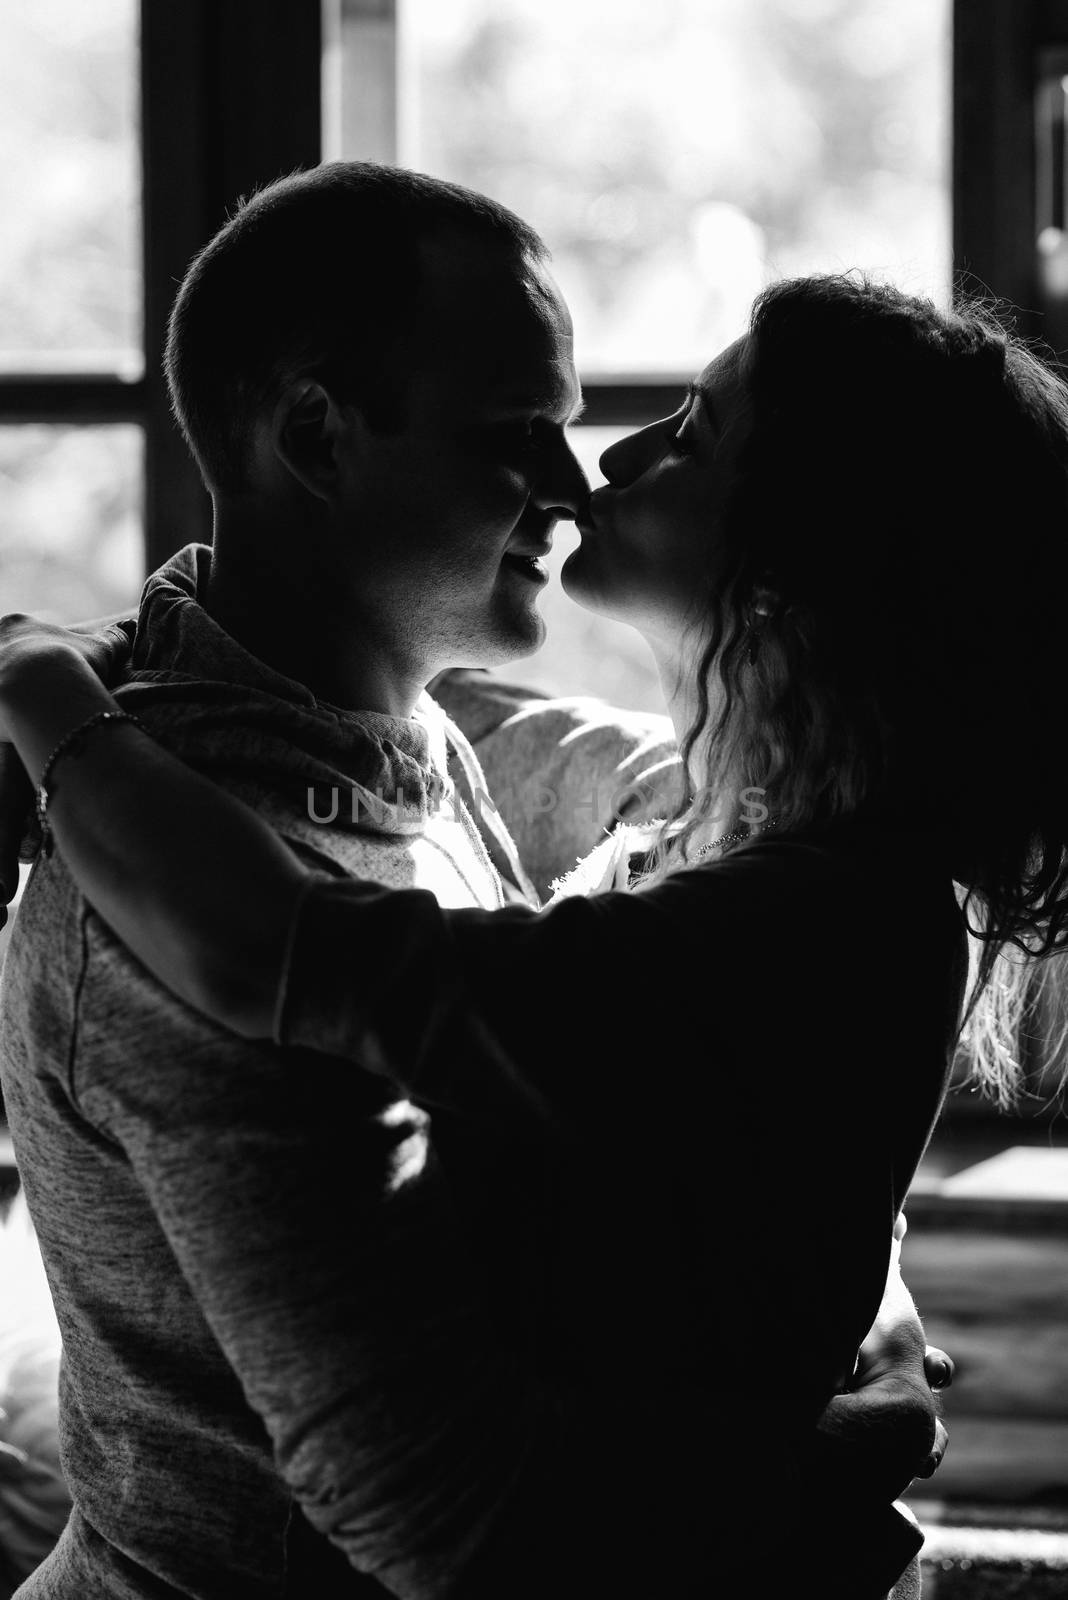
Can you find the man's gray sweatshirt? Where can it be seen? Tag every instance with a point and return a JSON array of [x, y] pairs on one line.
[[130, 1116]]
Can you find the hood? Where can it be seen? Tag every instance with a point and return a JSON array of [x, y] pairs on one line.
[[235, 719]]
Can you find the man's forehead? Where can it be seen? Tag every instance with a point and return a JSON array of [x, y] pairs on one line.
[[517, 380], [503, 332]]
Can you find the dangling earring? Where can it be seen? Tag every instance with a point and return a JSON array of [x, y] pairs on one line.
[[765, 602]]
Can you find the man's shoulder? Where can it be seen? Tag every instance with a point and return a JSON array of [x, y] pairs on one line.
[[77, 1006]]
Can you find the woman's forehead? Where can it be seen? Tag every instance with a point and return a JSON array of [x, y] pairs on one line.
[[723, 378]]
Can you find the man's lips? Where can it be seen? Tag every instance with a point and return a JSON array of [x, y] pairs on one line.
[[533, 552], [527, 560]]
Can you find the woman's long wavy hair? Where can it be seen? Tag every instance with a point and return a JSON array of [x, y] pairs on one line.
[[883, 626]]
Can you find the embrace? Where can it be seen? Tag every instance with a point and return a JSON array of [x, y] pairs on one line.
[[429, 1212]]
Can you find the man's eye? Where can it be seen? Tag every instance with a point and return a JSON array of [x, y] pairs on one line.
[[523, 435]]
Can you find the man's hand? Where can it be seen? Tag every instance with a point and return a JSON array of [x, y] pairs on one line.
[[885, 1430]]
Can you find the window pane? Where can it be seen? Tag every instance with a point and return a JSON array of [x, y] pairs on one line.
[[676, 156], [585, 653], [69, 186], [71, 543]]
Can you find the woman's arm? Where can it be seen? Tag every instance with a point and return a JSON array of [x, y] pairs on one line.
[[206, 896], [199, 888], [492, 1012]]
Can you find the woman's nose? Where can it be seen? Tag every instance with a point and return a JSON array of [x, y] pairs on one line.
[[628, 458]]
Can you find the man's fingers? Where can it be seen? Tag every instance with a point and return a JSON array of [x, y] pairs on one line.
[[937, 1451], [938, 1368]]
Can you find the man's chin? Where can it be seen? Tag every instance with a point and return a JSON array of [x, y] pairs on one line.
[[524, 638], [513, 639]]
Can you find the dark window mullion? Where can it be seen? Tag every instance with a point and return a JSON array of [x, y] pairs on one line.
[[633, 402], [230, 99], [69, 398]]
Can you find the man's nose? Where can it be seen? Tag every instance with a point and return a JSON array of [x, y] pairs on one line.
[[562, 486]]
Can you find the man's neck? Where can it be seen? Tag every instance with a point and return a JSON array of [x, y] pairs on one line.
[[289, 616]]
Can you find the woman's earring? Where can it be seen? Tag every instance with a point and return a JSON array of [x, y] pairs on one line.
[[765, 602]]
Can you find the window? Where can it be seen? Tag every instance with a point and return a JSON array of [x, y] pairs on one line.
[[673, 154], [674, 157], [71, 536]]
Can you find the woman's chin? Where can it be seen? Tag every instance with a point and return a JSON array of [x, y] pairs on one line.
[[579, 584]]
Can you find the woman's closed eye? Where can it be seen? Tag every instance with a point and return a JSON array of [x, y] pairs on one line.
[[679, 429], [680, 438]]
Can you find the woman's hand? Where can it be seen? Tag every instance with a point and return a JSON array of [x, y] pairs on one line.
[[28, 645], [195, 883], [29, 650]]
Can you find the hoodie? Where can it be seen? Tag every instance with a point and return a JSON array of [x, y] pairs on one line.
[[135, 1120]]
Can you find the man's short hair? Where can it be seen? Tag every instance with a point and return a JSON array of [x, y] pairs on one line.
[[316, 275]]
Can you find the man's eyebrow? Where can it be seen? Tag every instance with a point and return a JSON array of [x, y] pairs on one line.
[[520, 400]]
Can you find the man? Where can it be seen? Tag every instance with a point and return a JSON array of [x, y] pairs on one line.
[[374, 372]]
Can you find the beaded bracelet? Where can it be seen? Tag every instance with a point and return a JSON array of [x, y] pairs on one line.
[[69, 745]]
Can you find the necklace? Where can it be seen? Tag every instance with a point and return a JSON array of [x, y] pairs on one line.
[[737, 837]]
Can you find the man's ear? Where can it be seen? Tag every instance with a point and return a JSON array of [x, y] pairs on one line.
[[309, 431]]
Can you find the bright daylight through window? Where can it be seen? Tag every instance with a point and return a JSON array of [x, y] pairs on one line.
[[676, 157]]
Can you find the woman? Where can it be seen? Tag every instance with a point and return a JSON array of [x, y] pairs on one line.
[[764, 1019]]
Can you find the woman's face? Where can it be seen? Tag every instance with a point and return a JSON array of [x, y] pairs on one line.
[[649, 537]]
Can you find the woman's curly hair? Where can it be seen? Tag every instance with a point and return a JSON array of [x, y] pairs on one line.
[[884, 613]]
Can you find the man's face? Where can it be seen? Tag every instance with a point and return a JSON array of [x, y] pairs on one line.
[[449, 512]]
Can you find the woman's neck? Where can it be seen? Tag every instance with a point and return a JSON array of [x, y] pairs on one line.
[[678, 684]]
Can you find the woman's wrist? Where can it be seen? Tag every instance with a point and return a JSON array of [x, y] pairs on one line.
[[29, 663], [47, 690]]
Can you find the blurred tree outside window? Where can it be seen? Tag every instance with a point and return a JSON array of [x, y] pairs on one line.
[[70, 524], [71, 541], [676, 158], [70, 289]]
